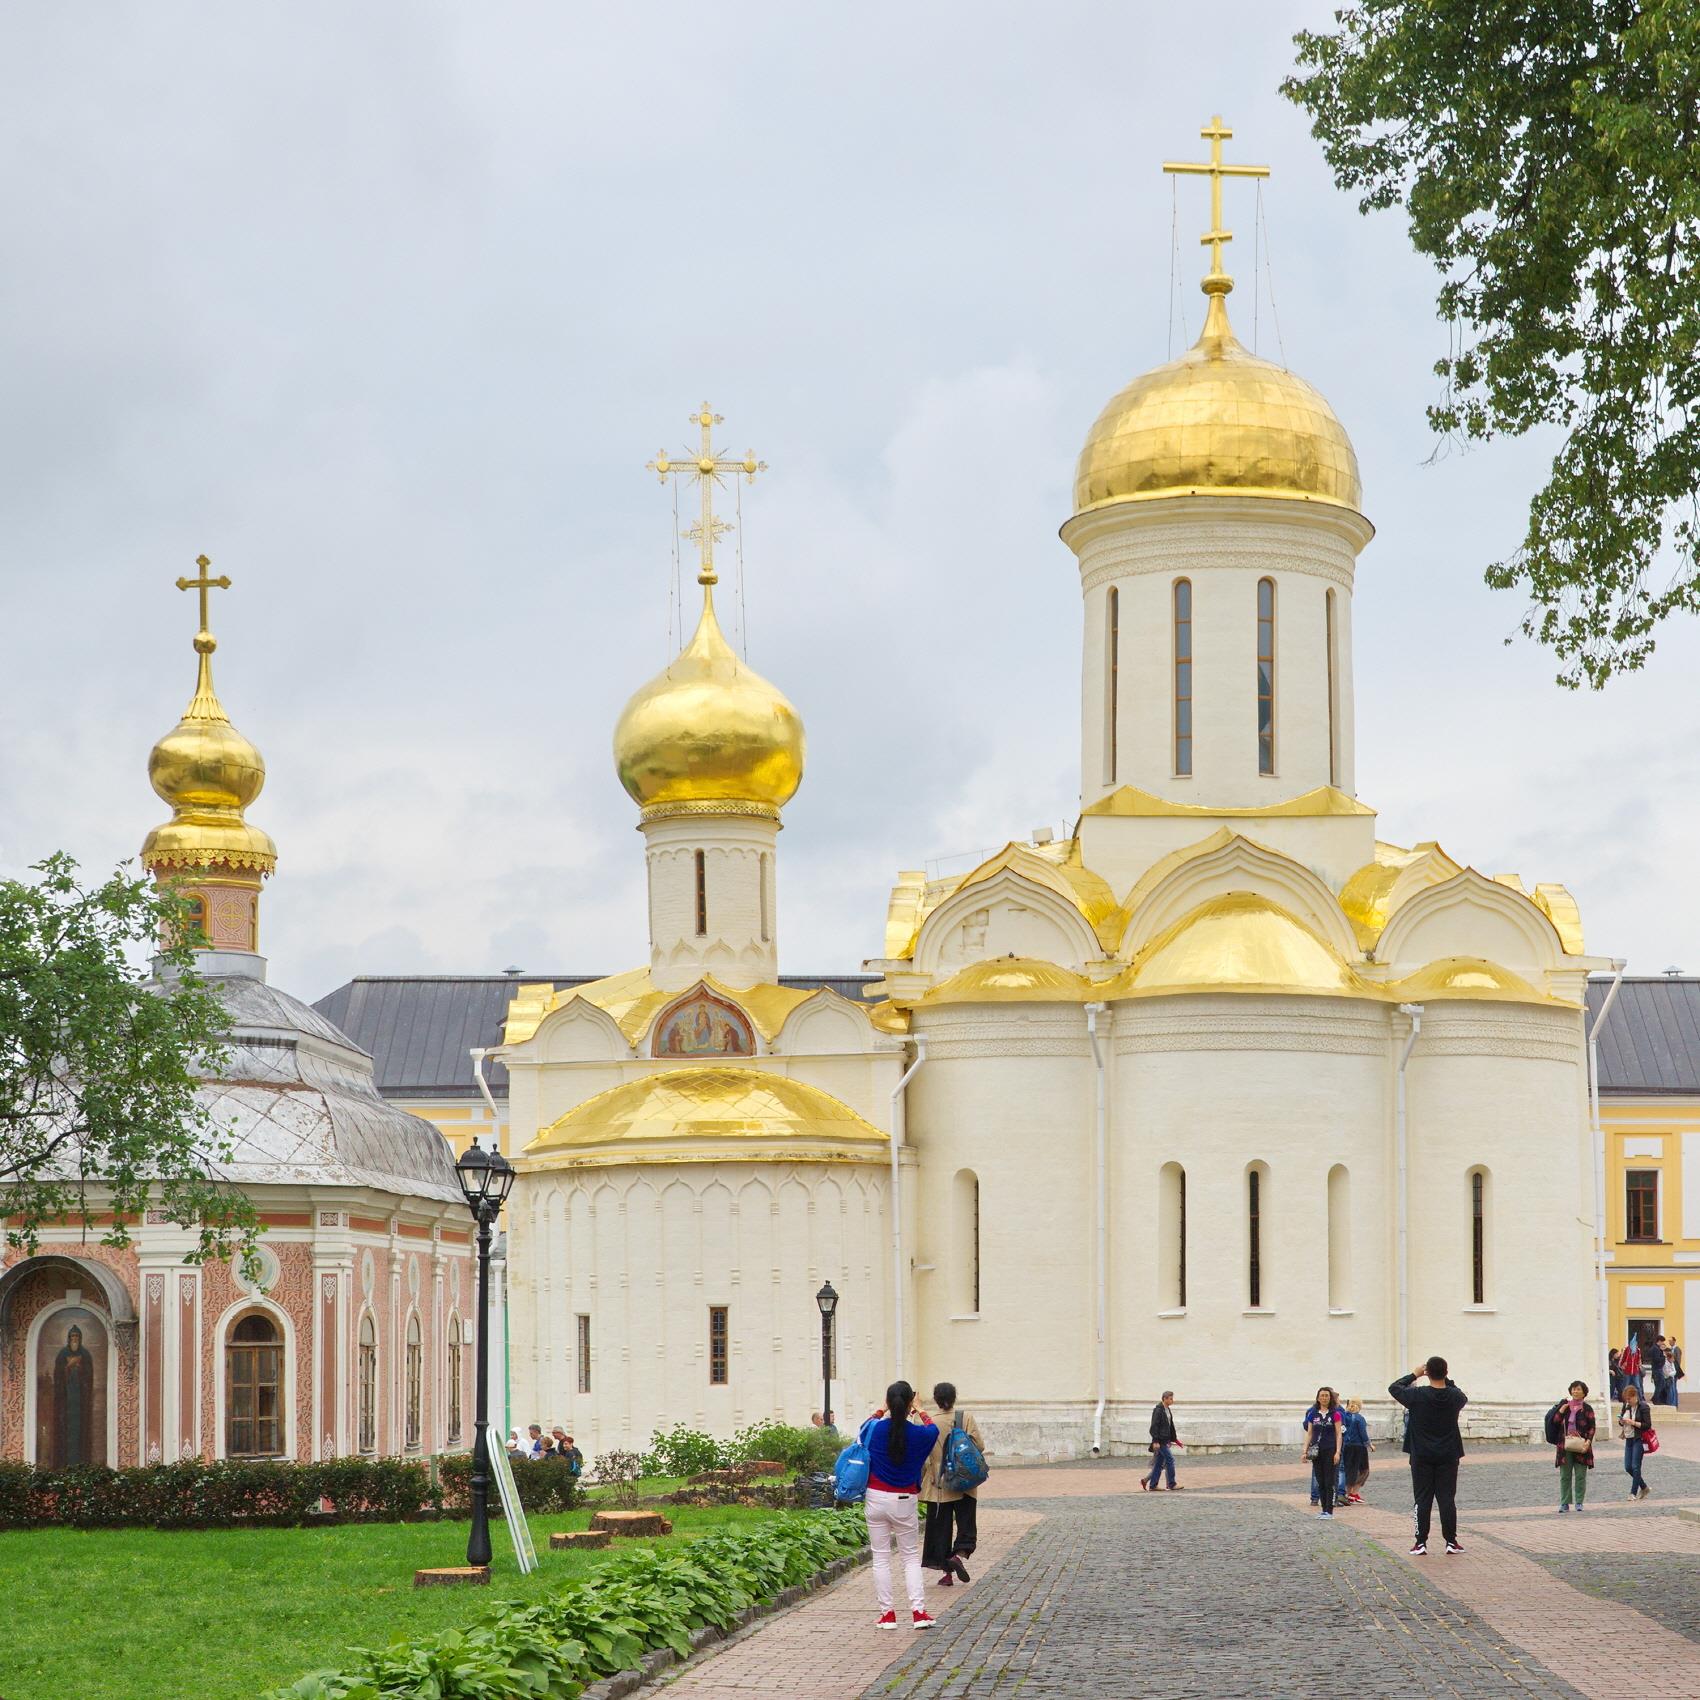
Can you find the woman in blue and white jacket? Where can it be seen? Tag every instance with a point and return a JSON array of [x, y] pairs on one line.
[[899, 1441]]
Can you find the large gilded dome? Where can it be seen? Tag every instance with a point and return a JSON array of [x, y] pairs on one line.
[[1217, 421], [708, 731]]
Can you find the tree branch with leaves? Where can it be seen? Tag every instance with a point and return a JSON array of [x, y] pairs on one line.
[[1547, 157]]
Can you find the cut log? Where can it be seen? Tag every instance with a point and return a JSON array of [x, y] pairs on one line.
[[584, 1539], [631, 1523], [455, 1576]]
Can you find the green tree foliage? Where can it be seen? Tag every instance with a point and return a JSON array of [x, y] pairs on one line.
[[1547, 154], [98, 1065]]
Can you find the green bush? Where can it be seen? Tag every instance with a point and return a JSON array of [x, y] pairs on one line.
[[541, 1485], [639, 1601], [687, 1452], [194, 1495], [802, 1449]]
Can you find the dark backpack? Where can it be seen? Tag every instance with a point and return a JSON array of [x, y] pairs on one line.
[[964, 1465]]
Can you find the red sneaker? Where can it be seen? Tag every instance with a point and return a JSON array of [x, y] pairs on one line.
[[947, 1580], [1354, 1499], [924, 1620], [888, 1621]]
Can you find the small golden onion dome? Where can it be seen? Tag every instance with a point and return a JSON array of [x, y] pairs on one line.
[[1011, 979], [714, 1114], [1217, 421], [1240, 942], [1467, 977], [707, 732], [209, 773]]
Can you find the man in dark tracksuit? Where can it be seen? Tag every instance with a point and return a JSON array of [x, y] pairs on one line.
[[1435, 1446]]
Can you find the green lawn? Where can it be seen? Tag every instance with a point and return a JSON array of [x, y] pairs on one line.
[[226, 1614]]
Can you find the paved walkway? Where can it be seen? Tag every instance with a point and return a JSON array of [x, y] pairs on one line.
[[1085, 1587]]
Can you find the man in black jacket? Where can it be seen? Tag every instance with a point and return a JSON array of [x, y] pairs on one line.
[[1435, 1446], [1163, 1441]]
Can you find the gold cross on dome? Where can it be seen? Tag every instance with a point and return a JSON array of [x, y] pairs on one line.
[[708, 468], [203, 584], [1215, 133]]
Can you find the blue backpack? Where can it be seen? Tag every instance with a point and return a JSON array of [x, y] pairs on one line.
[[964, 1465], [850, 1474]]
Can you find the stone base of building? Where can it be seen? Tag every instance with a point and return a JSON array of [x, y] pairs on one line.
[[1050, 1434]]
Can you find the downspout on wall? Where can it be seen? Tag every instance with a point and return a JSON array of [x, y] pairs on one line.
[[1102, 1272], [1402, 1170], [898, 1133], [1602, 1297]]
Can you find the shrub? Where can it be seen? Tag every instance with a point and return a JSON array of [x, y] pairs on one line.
[[797, 1448], [541, 1485], [639, 1601], [619, 1473], [687, 1452]]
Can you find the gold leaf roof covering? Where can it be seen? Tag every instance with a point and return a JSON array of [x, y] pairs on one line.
[[1011, 979], [1128, 801], [633, 1000], [209, 773], [1559, 907], [1468, 977], [1367, 897], [714, 1114], [1217, 421], [709, 730], [1240, 942]]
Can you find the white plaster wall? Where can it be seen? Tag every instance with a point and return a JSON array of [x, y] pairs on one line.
[[734, 949], [1223, 545], [645, 1253]]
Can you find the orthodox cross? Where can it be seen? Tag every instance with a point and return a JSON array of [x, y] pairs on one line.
[[1215, 133], [707, 467], [203, 584]]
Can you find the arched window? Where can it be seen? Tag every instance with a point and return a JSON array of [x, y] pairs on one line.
[[1112, 679], [965, 1244], [1171, 1238], [1481, 1248], [415, 1383], [368, 1388], [1266, 675], [253, 1388], [1183, 677], [702, 894], [454, 1380], [1332, 641], [195, 918], [1339, 1238], [1257, 1205]]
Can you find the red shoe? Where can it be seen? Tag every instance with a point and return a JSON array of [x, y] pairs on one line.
[[1145, 1485], [947, 1580], [923, 1620], [888, 1621], [1354, 1499]]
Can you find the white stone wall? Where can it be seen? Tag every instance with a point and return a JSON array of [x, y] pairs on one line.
[[1223, 546], [645, 1253], [741, 874]]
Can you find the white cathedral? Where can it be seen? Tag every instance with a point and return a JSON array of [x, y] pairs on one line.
[[1221, 1094]]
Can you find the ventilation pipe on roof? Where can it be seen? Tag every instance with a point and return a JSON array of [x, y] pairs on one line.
[[899, 1122], [1402, 1169], [1602, 1300], [1102, 1273]]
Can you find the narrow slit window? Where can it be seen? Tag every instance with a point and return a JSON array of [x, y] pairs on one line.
[[766, 896], [1331, 639], [719, 1347], [1112, 642], [1266, 675], [1254, 1238], [702, 894], [415, 1384], [1478, 1238], [1183, 677], [583, 1352], [1180, 1262], [368, 1392]]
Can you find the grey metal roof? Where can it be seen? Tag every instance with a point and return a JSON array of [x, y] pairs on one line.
[[420, 1027], [1651, 1040]]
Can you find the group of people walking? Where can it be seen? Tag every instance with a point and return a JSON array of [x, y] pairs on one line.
[[1661, 1364], [1571, 1428]]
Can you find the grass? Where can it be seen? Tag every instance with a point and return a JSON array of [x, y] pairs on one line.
[[227, 1614]]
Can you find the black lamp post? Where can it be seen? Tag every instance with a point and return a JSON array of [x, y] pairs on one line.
[[485, 1177], [827, 1299]]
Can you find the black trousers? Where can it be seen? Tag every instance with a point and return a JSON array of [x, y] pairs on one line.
[[1322, 1468], [951, 1528], [1435, 1481]]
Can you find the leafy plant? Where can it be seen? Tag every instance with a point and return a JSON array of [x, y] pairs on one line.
[[682, 1451], [620, 1473], [796, 1448]]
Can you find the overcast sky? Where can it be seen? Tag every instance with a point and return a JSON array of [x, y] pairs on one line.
[[385, 306]]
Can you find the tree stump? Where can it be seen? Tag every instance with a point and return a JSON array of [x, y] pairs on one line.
[[582, 1539], [459, 1575], [765, 1467], [631, 1523]]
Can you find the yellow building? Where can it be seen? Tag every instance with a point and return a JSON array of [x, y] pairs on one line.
[[1649, 1073]]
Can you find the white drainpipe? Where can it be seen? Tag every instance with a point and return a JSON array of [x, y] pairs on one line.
[[898, 1126], [1402, 1168], [1100, 1143], [478, 1054], [1602, 1298]]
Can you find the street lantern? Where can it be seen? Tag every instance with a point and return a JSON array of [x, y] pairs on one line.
[[827, 1299], [485, 1177]]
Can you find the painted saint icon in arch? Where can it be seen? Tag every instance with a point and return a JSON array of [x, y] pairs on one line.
[[70, 1401], [703, 1025]]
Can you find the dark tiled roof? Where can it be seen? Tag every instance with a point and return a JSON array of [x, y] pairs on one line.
[[419, 1028], [1651, 1040]]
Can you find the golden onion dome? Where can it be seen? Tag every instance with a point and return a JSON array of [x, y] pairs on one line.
[[1011, 979], [709, 735], [1240, 942], [1218, 421], [209, 773]]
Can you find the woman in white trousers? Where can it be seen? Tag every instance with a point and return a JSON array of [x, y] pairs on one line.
[[899, 1441]]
